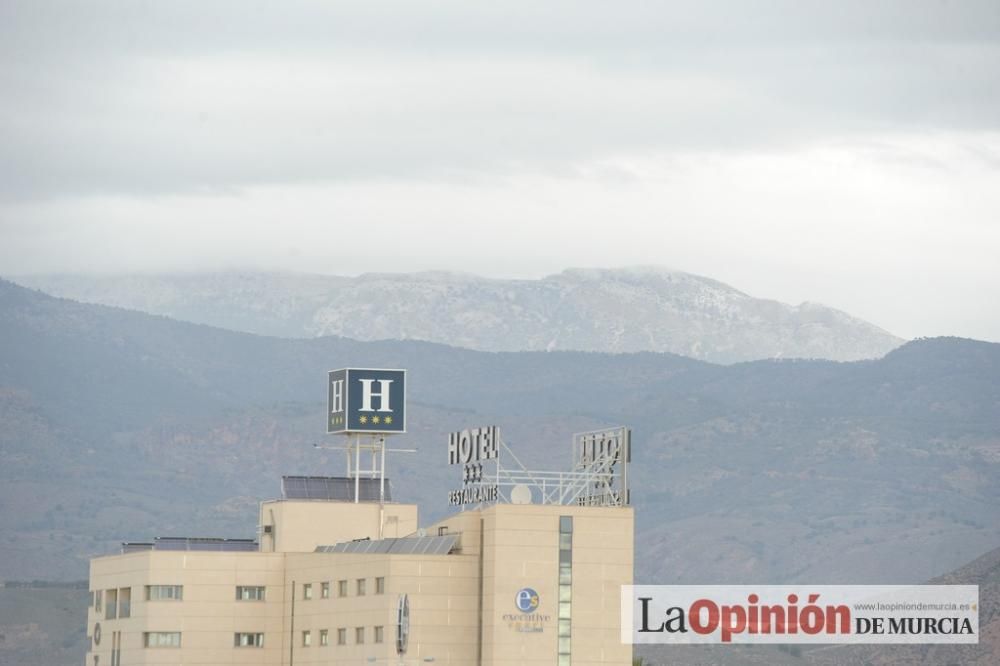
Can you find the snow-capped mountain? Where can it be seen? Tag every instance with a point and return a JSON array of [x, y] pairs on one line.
[[607, 310]]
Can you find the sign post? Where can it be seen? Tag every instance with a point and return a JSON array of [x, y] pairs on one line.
[[366, 404]]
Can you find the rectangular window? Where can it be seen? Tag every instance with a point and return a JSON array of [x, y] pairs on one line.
[[361, 587], [125, 602], [161, 639], [565, 589], [307, 591], [164, 592], [98, 600], [341, 588], [307, 638], [359, 635], [249, 593], [111, 605], [380, 585], [248, 639], [324, 637], [324, 590], [379, 634], [565, 524], [342, 636]]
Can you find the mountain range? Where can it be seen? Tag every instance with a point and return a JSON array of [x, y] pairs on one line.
[[118, 425], [622, 310]]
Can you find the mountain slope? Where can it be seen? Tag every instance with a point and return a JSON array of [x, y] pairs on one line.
[[626, 310], [118, 425]]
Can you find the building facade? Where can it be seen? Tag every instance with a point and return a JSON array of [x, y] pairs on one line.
[[500, 585], [527, 571]]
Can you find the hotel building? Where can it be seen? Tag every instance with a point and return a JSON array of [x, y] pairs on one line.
[[528, 571]]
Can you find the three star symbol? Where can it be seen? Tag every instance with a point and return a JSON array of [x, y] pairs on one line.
[[363, 419], [473, 472]]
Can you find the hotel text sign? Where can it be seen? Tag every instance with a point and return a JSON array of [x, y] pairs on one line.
[[366, 400], [470, 448], [606, 454]]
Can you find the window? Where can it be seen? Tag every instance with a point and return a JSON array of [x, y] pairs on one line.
[[361, 587], [249, 593], [359, 635], [245, 639], [307, 591], [161, 639], [565, 589], [380, 585], [379, 634], [442, 530], [324, 590], [324, 637], [164, 592], [307, 638], [125, 602], [341, 636], [111, 605], [98, 600], [341, 588]]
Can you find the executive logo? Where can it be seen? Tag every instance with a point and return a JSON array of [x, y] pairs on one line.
[[526, 600], [528, 620]]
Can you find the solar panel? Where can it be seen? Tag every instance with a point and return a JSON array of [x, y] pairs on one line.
[[425, 545], [204, 544], [332, 488]]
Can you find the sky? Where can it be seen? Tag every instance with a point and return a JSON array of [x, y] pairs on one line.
[[846, 152]]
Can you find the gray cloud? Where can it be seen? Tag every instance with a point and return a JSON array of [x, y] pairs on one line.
[[846, 152], [148, 98]]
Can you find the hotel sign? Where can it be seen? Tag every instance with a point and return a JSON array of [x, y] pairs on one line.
[[606, 454], [471, 448], [366, 400]]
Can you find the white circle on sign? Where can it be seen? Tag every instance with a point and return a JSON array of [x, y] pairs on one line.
[[520, 494]]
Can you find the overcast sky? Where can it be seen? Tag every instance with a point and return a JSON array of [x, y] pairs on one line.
[[840, 152]]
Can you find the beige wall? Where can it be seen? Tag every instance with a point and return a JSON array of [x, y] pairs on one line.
[[207, 617], [513, 546], [521, 549], [298, 526], [443, 595]]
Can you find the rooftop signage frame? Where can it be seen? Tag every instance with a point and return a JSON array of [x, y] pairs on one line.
[[366, 400]]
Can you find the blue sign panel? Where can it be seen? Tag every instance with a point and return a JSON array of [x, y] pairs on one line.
[[366, 400]]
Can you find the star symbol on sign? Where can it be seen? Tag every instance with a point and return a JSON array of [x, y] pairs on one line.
[[375, 419], [363, 419], [388, 419]]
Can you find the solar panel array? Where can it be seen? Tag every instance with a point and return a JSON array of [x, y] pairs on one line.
[[193, 543], [337, 488], [425, 545]]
